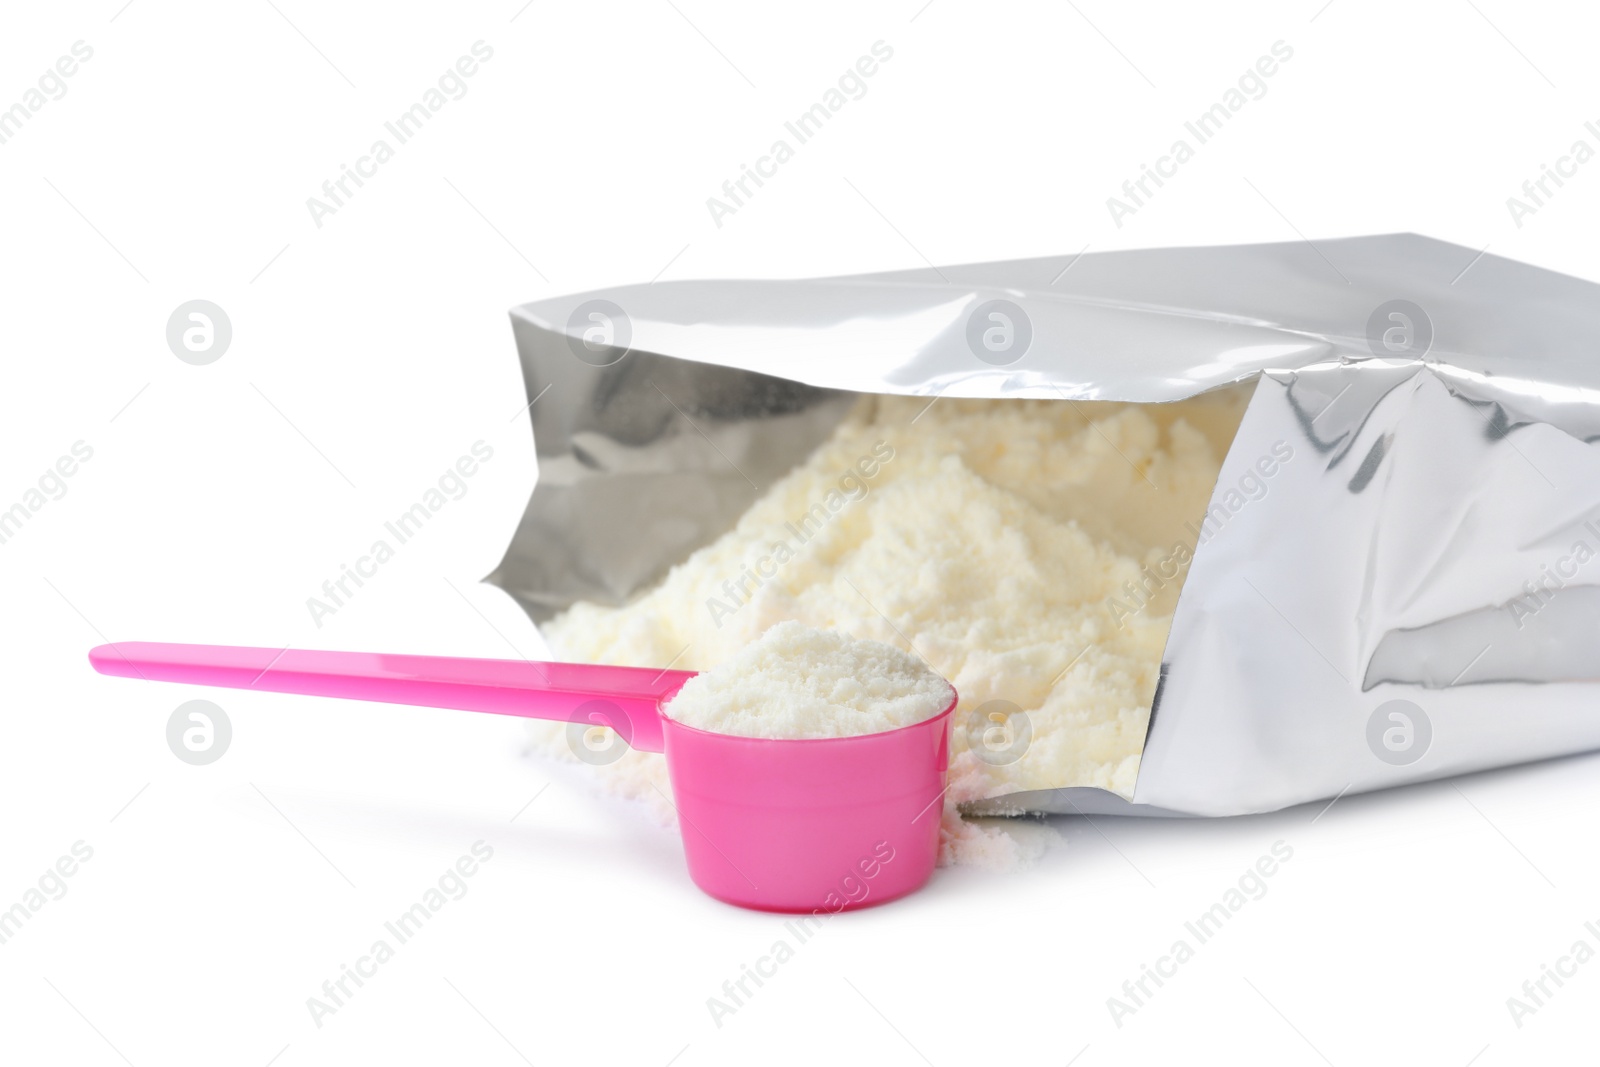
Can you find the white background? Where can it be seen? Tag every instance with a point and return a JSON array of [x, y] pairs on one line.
[[370, 352]]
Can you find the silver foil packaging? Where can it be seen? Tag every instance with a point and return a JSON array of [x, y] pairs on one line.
[[1415, 595]]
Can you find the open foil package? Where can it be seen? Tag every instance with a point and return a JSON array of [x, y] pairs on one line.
[[1200, 531]]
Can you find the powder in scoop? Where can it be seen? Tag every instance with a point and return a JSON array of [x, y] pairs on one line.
[[799, 682]]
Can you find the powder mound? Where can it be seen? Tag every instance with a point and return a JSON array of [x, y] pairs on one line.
[[1031, 550], [799, 682]]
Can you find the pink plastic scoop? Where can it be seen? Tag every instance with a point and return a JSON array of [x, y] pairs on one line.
[[782, 825]]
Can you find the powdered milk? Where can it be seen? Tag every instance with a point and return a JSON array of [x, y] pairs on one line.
[[798, 682], [1030, 551]]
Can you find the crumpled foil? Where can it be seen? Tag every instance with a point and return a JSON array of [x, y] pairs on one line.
[[1415, 594]]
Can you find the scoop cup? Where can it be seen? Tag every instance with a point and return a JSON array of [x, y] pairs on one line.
[[812, 825]]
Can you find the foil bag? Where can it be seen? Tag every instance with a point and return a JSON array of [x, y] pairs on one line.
[[1413, 597]]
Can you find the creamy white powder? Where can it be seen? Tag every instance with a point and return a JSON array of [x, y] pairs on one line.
[[798, 682], [1031, 551]]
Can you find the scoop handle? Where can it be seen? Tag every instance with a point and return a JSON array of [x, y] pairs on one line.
[[627, 699]]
